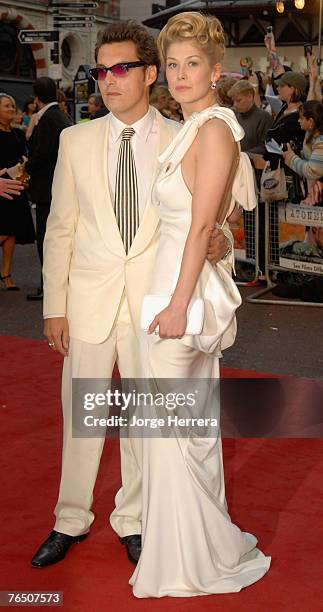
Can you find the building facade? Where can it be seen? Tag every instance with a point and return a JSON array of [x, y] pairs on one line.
[[245, 23], [25, 62]]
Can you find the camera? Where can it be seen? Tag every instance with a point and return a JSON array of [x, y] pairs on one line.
[[291, 143], [308, 50]]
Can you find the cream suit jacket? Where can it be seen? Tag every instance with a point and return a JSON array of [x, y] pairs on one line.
[[86, 268]]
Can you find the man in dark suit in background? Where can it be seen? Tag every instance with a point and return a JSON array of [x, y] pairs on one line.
[[43, 150]]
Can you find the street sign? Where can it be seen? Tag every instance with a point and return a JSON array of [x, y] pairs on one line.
[[76, 5], [74, 24], [71, 18], [35, 36]]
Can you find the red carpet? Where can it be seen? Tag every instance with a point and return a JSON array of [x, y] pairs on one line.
[[274, 490]]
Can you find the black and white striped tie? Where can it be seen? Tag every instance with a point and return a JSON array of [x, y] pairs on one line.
[[126, 191]]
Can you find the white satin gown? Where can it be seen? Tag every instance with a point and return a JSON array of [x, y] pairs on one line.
[[189, 544]]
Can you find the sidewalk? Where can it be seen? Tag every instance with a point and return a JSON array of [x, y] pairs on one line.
[[271, 338]]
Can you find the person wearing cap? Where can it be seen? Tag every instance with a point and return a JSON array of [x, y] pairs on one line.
[[292, 90], [277, 67]]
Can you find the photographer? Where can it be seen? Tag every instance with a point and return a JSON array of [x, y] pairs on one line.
[[310, 164], [292, 88]]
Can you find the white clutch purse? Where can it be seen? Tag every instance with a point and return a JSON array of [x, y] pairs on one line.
[[153, 304]]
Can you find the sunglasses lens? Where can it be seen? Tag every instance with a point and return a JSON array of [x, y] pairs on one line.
[[119, 70], [101, 73]]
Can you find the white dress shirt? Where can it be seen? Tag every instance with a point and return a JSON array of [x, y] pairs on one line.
[[144, 147], [43, 110]]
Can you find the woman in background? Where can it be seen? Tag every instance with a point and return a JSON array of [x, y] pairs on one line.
[[309, 164], [16, 225], [29, 109]]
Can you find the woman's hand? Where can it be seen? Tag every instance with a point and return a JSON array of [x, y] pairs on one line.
[[9, 187], [253, 80], [32, 124], [312, 66], [288, 154], [170, 322], [270, 44]]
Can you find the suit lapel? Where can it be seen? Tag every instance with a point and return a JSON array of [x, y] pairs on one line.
[[103, 205]]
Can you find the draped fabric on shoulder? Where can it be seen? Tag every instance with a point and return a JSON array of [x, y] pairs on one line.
[[244, 186]]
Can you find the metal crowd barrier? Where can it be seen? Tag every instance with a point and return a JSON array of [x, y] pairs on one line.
[[249, 261], [295, 214]]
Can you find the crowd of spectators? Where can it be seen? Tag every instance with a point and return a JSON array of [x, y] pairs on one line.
[[284, 106], [28, 155]]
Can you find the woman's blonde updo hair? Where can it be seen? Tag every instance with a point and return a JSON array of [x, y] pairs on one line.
[[205, 30]]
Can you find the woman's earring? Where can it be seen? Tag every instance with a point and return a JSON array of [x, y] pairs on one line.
[[213, 85]]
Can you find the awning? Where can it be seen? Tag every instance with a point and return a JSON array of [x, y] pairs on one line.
[[234, 9]]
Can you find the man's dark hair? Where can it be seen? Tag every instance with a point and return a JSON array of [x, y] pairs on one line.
[[130, 30], [45, 89]]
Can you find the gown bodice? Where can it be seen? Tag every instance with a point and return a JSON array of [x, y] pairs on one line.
[[173, 202]]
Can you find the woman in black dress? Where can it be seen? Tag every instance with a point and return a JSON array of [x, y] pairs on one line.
[[16, 225]]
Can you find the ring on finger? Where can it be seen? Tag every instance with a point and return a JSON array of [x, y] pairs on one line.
[[51, 344]]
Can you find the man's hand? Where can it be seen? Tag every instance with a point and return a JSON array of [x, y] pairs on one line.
[[9, 187], [57, 333], [218, 246], [235, 215], [258, 162]]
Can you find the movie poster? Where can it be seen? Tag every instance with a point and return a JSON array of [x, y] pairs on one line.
[[301, 238]]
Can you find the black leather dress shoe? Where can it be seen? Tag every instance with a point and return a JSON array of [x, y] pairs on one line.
[[133, 546], [35, 297], [55, 548]]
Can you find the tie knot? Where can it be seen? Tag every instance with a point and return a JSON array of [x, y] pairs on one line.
[[127, 133]]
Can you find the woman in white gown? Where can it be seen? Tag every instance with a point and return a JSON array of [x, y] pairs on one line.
[[189, 544]]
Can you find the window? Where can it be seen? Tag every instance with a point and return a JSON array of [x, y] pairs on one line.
[[66, 53], [15, 59]]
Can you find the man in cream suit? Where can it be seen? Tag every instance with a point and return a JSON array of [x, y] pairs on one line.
[[93, 282]]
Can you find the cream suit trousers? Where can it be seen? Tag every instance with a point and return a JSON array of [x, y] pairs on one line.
[[81, 456]]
